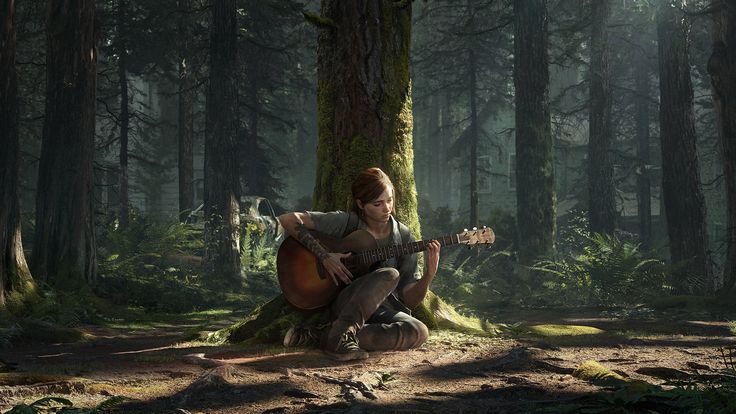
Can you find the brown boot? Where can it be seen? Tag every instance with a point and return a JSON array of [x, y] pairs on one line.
[[345, 348]]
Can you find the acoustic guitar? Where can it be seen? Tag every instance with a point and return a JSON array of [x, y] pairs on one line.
[[306, 284]]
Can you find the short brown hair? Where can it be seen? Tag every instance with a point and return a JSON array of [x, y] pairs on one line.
[[368, 186]]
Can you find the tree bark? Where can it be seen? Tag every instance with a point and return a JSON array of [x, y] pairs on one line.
[[255, 185], [221, 176], [601, 201], [186, 113], [14, 274], [473, 140], [683, 198], [535, 191], [123, 198], [64, 247], [722, 69], [364, 101], [643, 186]]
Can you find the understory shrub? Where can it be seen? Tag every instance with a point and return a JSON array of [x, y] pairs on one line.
[[607, 271]]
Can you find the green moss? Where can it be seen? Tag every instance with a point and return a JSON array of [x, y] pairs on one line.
[[564, 330], [268, 323], [594, 372], [319, 21], [437, 314]]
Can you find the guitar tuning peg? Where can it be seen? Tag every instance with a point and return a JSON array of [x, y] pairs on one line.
[[484, 227], [465, 229], [475, 228]]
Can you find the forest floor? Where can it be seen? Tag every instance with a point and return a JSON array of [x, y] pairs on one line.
[[528, 370]]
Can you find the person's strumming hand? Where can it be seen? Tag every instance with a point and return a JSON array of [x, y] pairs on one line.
[[336, 268]]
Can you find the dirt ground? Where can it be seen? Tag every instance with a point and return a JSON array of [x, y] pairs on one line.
[[454, 373]]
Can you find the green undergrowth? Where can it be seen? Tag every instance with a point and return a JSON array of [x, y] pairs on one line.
[[620, 394]]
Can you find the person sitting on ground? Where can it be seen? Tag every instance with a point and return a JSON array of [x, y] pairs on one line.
[[373, 312]]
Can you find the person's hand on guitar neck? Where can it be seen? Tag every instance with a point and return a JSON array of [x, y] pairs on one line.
[[336, 268]]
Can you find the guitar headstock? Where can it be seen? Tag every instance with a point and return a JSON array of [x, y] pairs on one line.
[[477, 236]]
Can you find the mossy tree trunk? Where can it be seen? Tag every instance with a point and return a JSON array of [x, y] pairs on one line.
[[601, 202], [364, 101], [186, 111], [221, 175], [722, 69], [14, 273], [683, 199], [364, 106], [64, 252], [535, 188]]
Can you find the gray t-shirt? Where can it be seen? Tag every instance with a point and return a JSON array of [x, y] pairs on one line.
[[337, 223]]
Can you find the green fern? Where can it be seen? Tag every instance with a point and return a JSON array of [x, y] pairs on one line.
[[607, 271]]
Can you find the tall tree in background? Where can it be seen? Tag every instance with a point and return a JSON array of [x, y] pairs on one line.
[[643, 185], [683, 198], [64, 245], [221, 177], [722, 69], [601, 202], [186, 110], [14, 273], [535, 191], [124, 118], [364, 101]]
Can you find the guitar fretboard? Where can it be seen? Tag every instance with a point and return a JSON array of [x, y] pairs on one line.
[[386, 252]]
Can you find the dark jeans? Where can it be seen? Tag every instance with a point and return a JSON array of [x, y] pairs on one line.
[[379, 328]]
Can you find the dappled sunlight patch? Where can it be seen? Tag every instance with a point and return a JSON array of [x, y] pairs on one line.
[[564, 330], [10, 379]]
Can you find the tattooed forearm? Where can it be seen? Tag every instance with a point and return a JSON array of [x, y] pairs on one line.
[[306, 239]]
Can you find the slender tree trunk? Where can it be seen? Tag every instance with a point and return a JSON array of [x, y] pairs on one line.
[[434, 154], [222, 179], [364, 101], [473, 140], [123, 197], [445, 122], [535, 188], [722, 69], [683, 198], [186, 113], [64, 248], [643, 187], [601, 201], [14, 274], [252, 180]]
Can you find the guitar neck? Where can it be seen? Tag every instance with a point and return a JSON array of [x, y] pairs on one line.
[[386, 252]]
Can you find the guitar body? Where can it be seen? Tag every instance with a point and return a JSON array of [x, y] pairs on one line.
[[304, 281]]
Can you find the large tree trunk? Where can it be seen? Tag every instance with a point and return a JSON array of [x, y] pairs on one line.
[[364, 101], [535, 188], [123, 198], [683, 198], [64, 246], [14, 274], [601, 202], [365, 120], [473, 139], [221, 177], [722, 69], [643, 186], [186, 113]]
